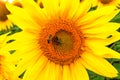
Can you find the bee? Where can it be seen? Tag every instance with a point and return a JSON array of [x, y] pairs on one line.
[[49, 38], [57, 40]]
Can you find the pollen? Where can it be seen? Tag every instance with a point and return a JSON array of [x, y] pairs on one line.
[[60, 42], [3, 12]]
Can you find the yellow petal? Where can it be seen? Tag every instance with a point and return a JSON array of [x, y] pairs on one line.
[[94, 2], [106, 28], [3, 40], [38, 15], [83, 8], [51, 8], [24, 23], [29, 35], [115, 37], [99, 48], [17, 11], [58, 72], [101, 36], [99, 21], [45, 73], [66, 73], [96, 14], [98, 65], [67, 6], [78, 71], [19, 44], [89, 67], [35, 70], [23, 65], [104, 38], [5, 25], [52, 71], [74, 7]]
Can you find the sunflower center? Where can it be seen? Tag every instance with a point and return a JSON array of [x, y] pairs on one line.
[[106, 1], [3, 11], [63, 41], [60, 42]]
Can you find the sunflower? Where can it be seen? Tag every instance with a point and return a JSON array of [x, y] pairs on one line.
[[102, 3], [5, 23], [62, 39], [7, 66]]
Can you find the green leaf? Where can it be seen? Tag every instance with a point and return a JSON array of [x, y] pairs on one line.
[[116, 46], [9, 41], [12, 51], [117, 66], [15, 29], [4, 31], [116, 18], [118, 30], [21, 75], [98, 78], [94, 76], [113, 60], [93, 8]]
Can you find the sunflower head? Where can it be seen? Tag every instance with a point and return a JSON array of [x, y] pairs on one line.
[[3, 12], [60, 42]]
